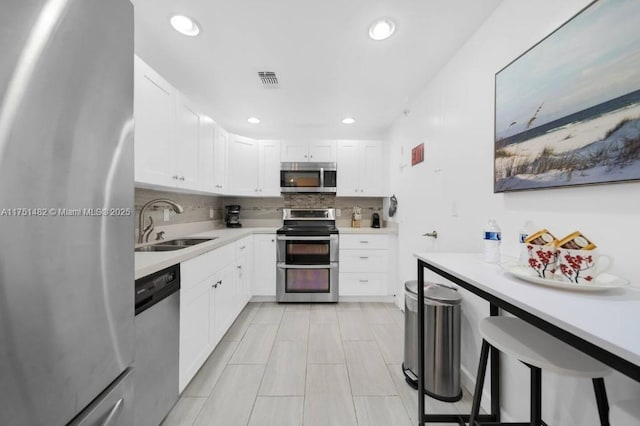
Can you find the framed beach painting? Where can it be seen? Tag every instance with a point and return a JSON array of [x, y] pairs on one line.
[[567, 111]]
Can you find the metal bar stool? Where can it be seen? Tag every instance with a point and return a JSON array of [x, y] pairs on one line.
[[537, 350], [626, 413]]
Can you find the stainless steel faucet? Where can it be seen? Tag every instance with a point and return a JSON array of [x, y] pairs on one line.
[[144, 232]]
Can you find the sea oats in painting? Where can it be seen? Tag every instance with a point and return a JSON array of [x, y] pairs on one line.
[[568, 110]]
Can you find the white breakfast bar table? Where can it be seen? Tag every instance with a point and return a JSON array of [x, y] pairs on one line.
[[600, 324]]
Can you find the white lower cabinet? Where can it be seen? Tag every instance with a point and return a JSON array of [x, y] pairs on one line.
[[264, 265], [212, 295], [244, 271], [194, 338], [364, 265], [222, 304]]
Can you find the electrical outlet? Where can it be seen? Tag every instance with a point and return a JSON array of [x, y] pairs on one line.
[[338, 212], [166, 215], [210, 213]]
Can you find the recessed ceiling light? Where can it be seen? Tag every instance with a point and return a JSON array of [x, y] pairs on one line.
[[185, 25], [382, 29], [348, 120], [253, 120]]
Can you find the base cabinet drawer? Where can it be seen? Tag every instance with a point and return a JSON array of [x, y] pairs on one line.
[[364, 260], [359, 284], [364, 242]]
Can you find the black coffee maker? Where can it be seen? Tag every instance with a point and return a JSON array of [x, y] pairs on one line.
[[232, 216], [375, 220]]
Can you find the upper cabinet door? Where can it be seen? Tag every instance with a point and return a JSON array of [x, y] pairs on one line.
[[295, 151], [186, 144], [220, 161], [243, 165], [322, 151], [348, 168], [372, 169], [362, 170], [269, 168], [154, 112], [206, 154]]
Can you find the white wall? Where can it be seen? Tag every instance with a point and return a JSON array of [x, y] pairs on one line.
[[452, 192]]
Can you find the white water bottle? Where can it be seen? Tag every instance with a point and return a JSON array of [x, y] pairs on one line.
[[525, 231], [492, 240]]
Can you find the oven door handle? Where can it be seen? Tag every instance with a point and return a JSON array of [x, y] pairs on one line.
[[282, 265], [329, 238]]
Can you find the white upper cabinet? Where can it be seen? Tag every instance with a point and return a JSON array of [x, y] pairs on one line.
[[186, 144], [206, 160], [268, 168], [294, 151], [253, 167], [221, 143], [361, 169], [212, 162], [320, 151], [243, 165], [167, 133], [154, 111]]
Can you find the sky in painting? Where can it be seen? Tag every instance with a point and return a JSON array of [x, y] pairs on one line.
[[592, 59]]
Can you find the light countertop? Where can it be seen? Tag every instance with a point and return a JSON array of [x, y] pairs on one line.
[[607, 319], [149, 262]]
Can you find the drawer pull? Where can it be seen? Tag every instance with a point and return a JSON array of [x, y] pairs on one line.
[[364, 242], [364, 257], [364, 281]]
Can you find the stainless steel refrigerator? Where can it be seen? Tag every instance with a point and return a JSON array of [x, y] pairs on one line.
[[66, 265]]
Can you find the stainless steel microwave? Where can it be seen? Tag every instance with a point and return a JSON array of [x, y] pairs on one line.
[[308, 177]]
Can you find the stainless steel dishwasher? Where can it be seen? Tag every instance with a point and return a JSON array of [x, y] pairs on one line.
[[155, 373]]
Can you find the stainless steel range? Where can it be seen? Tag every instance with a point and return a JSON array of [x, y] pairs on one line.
[[307, 256]]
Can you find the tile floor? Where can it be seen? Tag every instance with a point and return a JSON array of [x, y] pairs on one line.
[[307, 364]]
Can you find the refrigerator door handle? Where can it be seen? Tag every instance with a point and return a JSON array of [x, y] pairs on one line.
[[114, 412]]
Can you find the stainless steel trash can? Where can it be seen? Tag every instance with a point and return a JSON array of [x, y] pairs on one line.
[[442, 340]]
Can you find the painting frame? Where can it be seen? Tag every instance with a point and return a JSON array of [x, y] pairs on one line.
[[530, 155]]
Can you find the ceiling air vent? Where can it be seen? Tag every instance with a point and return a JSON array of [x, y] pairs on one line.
[[269, 79]]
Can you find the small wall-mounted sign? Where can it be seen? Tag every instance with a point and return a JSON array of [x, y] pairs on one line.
[[417, 154]]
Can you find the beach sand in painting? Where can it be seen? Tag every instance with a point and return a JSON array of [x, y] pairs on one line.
[[605, 148]]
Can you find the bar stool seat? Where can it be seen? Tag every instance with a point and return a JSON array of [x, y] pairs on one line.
[[538, 350], [626, 413]]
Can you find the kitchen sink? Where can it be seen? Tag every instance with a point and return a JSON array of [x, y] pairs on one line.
[[159, 248], [186, 241], [172, 245]]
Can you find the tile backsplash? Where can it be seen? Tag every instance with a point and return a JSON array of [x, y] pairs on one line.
[[254, 211], [271, 208], [196, 208]]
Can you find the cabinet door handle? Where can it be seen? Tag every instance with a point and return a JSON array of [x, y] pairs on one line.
[[243, 247], [364, 242], [364, 281], [239, 266], [181, 177], [364, 257], [218, 283], [174, 177]]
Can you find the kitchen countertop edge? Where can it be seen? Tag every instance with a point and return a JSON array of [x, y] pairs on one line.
[[147, 263]]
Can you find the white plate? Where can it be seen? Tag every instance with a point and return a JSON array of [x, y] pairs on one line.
[[602, 282]]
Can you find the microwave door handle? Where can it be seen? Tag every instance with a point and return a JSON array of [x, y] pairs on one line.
[[321, 177], [282, 265]]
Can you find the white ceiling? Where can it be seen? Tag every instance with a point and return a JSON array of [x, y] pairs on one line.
[[327, 65]]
